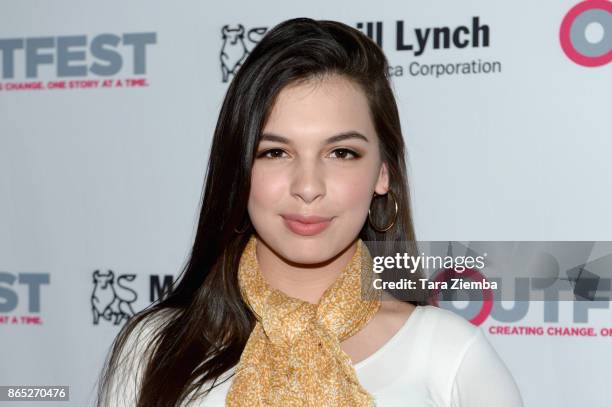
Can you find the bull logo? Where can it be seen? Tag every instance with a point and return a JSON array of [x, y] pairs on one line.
[[111, 299], [236, 47]]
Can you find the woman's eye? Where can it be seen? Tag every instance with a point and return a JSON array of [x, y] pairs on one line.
[[265, 154], [344, 152]]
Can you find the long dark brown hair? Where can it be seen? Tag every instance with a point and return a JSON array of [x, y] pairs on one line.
[[210, 324]]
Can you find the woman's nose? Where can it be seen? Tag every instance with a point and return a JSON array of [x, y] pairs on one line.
[[308, 181]]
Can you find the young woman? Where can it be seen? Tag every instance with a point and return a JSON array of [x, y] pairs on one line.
[[307, 162]]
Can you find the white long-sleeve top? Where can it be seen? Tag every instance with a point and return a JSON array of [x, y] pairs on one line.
[[437, 358]]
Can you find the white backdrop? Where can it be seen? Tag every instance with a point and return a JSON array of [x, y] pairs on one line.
[[109, 176]]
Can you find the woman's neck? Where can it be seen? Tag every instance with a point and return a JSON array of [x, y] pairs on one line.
[[305, 282]]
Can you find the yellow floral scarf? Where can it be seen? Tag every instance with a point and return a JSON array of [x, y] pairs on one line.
[[293, 355]]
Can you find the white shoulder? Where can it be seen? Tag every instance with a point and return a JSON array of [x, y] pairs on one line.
[[449, 335], [483, 379], [466, 371], [131, 361], [449, 322]]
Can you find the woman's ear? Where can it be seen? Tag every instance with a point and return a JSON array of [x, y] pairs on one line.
[[382, 184]]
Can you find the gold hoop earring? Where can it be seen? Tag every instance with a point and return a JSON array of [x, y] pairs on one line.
[[382, 230]]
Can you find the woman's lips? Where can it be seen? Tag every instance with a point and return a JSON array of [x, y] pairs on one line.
[[306, 229]]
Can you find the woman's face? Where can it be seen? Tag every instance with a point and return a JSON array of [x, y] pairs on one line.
[[298, 171]]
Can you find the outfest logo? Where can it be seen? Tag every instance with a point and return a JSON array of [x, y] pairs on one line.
[[75, 61], [480, 311], [21, 298], [586, 33], [507, 319]]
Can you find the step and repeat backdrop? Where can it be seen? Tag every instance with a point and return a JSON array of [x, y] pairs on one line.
[[107, 111]]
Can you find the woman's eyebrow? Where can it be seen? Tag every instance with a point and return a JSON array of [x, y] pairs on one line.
[[333, 139]]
